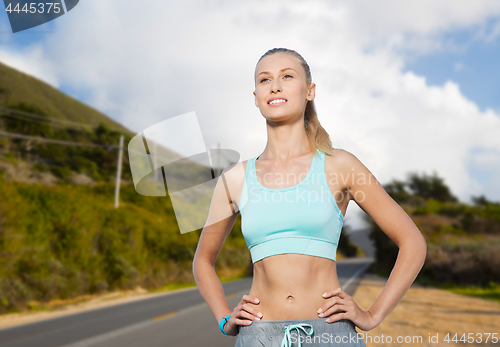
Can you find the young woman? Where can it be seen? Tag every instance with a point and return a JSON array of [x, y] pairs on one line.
[[293, 198]]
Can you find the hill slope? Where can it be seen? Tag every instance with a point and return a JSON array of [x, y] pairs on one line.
[[17, 87]]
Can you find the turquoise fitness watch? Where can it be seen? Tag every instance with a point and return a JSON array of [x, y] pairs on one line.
[[222, 322]]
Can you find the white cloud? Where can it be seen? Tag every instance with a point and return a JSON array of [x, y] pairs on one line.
[[416, 26], [31, 60], [488, 34], [142, 66]]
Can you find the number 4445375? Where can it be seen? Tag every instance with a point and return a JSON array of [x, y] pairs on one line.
[[39, 7], [472, 337]]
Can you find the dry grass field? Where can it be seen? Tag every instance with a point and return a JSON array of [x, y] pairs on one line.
[[425, 312]]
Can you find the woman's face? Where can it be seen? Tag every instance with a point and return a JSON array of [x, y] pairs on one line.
[[280, 77]]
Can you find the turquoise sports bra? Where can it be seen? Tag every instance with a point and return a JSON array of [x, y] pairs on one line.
[[302, 219]]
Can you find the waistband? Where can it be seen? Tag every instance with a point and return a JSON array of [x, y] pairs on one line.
[[299, 245], [277, 327]]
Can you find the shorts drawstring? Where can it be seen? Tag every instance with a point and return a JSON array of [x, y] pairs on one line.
[[287, 338]]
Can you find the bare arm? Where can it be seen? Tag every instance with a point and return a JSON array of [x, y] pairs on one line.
[[399, 227], [218, 226], [372, 198], [222, 215]]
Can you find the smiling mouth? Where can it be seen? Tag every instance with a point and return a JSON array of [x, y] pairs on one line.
[[277, 102]]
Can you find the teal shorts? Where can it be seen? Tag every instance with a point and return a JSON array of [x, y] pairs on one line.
[[314, 332]]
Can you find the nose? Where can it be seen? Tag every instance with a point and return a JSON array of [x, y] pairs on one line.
[[275, 88]]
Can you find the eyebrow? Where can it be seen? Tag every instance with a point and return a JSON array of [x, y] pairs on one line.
[[287, 68]]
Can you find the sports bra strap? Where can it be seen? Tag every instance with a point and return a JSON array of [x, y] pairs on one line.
[[250, 174]]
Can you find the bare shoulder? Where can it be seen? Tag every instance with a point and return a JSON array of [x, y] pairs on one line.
[[233, 178], [340, 156], [235, 173], [345, 166]]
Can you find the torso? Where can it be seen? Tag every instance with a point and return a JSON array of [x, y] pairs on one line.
[[289, 286]]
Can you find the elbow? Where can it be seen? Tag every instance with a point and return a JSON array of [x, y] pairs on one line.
[[193, 267], [196, 264], [200, 264], [420, 249], [197, 269], [423, 244], [417, 247]]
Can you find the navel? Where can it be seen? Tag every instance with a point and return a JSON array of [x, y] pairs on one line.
[[290, 298]]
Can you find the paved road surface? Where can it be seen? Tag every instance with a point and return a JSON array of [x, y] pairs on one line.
[[177, 319], [361, 237]]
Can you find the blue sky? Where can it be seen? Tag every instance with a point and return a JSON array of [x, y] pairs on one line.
[[383, 77], [474, 65]]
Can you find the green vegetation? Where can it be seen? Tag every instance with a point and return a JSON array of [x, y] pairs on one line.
[[491, 291], [32, 107], [66, 241], [62, 161], [18, 88], [463, 241]]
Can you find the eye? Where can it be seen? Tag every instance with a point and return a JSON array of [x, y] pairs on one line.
[[262, 80]]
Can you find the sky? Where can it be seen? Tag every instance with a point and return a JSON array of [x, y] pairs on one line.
[[404, 86]]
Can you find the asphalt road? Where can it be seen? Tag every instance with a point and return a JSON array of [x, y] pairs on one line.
[[175, 319]]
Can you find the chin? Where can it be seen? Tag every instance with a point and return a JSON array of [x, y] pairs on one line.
[[277, 118]]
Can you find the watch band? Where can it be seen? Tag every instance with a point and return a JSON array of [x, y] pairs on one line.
[[222, 322]]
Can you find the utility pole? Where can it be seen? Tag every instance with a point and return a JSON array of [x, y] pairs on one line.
[[218, 158], [153, 152], [118, 171]]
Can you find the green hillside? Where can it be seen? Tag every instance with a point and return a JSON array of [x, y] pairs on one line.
[[65, 241], [61, 237], [463, 240], [33, 108], [17, 88]]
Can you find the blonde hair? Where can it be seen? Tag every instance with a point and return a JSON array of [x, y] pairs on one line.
[[317, 135]]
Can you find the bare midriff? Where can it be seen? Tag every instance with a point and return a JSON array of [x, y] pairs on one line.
[[290, 286]]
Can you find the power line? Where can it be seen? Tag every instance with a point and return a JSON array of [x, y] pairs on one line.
[[79, 144], [69, 143], [59, 142], [50, 119], [35, 120], [34, 115]]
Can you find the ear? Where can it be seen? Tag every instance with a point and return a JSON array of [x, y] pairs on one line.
[[311, 93], [255, 96]]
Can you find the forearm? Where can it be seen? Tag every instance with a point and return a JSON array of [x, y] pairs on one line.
[[409, 262], [211, 289]]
